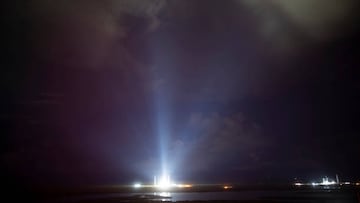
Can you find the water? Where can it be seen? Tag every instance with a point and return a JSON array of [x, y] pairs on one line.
[[181, 196], [243, 195], [277, 195], [292, 196]]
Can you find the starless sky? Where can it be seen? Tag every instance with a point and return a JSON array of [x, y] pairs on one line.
[[114, 91]]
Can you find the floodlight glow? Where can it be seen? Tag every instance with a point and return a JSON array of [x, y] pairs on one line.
[[137, 185], [327, 182], [164, 182]]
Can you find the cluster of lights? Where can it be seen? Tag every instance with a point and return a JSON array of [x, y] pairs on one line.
[[138, 185], [326, 182], [163, 184]]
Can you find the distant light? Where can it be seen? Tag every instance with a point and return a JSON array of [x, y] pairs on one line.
[[347, 183], [298, 184], [184, 186], [227, 187], [137, 185], [313, 184], [357, 183]]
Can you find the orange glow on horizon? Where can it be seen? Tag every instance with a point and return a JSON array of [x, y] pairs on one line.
[[227, 187]]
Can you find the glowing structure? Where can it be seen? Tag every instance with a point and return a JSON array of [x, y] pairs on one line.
[[163, 183], [325, 182]]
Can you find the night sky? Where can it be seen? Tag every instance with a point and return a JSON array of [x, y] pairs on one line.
[[116, 91]]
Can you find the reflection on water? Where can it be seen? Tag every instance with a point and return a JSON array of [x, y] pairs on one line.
[[296, 196], [205, 196], [278, 195], [164, 196]]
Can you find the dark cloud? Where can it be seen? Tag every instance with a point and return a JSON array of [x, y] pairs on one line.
[[155, 37], [293, 24]]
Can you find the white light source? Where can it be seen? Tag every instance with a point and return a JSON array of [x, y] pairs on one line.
[[164, 182], [327, 182], [137, 185]]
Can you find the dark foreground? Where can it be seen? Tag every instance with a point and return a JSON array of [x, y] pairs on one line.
[[203, 193]]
